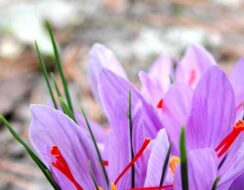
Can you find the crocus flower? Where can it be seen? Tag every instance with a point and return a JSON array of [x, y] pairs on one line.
[[66, 149], [214, 138], [189, 70]]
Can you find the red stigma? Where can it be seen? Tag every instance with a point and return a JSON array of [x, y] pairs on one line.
[[61, 164], [154, 188], [226, 143], [105, 162], [136, 157], [160, 104], [193, 76]]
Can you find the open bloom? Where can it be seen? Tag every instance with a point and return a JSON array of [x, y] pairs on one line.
[[68, 152], [213, 132]]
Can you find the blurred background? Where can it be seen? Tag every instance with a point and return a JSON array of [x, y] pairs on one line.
[[136, 30]]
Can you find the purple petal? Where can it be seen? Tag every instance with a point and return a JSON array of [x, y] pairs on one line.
[[193, 65], [156, 160], [151, 90], [232, 170], [99, 132], [117, 148], [213, 110], [162, 70], [176, 111], [157, 81], [202, 170], [114, 92], [101, 57], [233, 166], [237, 81], [238, 183], [50, 127], [112, 86]]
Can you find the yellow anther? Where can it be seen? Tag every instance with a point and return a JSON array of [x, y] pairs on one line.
[[100, 188], [173, 164], [113, 187]]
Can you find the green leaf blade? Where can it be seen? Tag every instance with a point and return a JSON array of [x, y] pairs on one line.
[[96, 146], [44, 71], [66, 109], [59, 66], [183, 161], [34, 157]]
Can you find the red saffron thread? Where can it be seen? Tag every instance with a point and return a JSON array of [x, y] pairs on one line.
[[136, 157], [160, 104], [225, 144], [61, 164], [105, 162]]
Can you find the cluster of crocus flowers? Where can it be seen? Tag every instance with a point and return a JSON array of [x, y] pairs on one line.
[[197, 96], [141, 149]]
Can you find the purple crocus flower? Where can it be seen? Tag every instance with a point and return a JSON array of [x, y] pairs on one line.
[[66, 149], [214, 138], [189, 70]]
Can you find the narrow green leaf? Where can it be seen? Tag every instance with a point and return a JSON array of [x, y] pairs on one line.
[[55, 84], [165, 166], [60, 68], [34, 157], [96, 147], [92, 175], [216, 181], [131, 141], [44, 71], [66, 109], [183, 161]]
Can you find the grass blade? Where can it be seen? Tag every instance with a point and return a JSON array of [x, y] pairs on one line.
[[131, 145], [183, 161], [165, 166], [66, 109], [44, 71], [96, 147], [34, 157], [55, 84], [60, 68], [216, 181]]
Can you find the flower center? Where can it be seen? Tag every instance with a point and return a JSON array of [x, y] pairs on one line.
[[61, 164], [224, 146], [193, 76]]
